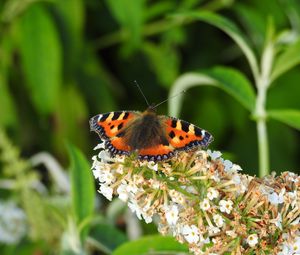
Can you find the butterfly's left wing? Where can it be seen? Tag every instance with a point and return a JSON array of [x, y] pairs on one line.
[[183, 135], [112, 127]]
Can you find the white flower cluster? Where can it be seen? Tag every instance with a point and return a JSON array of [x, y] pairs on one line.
[[203, 200], [12, 223]]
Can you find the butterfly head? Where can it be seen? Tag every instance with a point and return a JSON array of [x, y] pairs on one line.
[[151, 108]]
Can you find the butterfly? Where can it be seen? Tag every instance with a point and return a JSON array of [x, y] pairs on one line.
[[153, 137]]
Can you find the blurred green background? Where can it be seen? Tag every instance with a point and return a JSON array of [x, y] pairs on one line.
[[63, 61]]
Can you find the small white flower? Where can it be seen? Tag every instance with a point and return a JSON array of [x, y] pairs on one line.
[[218, 220], [104, 156], [215, 177], [172, 214], [100, 146], [120, 169], [176, 196], [214, 154], [191, 233], [277, 221], [134, 207], [122, 191], [213, 230], [152, 165], [293, 197], [12, 223], [236, 168], [147, 217], [226, 206], [212, 193], [106, 177], [275, 198], [106, 191], [228, 165], [295, 246], [96, 173], [252, 240], [132, 188], [284, 250], [205, 205], [231, 233]]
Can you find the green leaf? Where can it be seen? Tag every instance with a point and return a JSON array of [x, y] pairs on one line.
[[130, 15], [7, 107], [71, 17], [41, 57], [230, 29], [82, 185], [287, 60], [151, 244], [166, 56], [70, 111], [107, 237], [253, 21], [289, 117], [230, 80], [8, 114]]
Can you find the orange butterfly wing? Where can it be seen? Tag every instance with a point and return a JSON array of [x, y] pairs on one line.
[[112, 127], [183, 135]]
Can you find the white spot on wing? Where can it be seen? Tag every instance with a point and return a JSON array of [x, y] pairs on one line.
[[203, 133], [100, 116]]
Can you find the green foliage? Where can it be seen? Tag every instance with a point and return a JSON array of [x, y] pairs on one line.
[[82, 186], [286, 116], [62, 62], [40, 51], [153, 244]]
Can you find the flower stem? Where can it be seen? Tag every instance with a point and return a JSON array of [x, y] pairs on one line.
[[262, 84]]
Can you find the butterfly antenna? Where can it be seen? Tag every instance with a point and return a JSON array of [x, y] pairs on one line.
[[169, 99], [141, 92]]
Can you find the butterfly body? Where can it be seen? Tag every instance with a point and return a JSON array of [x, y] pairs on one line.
[[154, 137]]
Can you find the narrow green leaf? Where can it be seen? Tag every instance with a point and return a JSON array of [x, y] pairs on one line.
[[230, 29], [230, 80], [289, 117], [151, 244], [287, 60], [41, 57], [82, 185]]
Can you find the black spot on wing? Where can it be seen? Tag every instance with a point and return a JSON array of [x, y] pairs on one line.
[[104, 117], [111, 127], [126, 115], [120, 126], [116, 115], [198, 131], [185, 126], [180, 138], [174, 123], [172, 134]]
